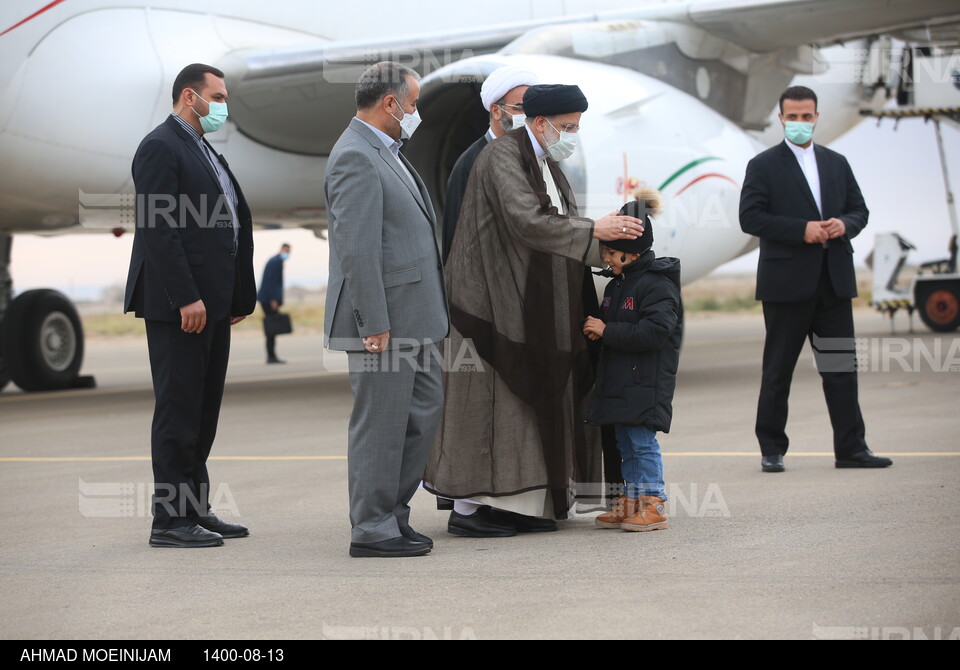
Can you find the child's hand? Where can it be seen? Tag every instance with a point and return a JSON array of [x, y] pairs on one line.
[[593, 328]]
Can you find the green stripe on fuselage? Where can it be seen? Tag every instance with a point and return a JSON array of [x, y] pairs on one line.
[[688, 166]]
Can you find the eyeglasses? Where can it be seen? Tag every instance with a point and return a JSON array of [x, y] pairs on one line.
[[502, 105], [567, 128]]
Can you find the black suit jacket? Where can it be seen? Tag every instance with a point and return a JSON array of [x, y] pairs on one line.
[[271, 285], [183, 248], [776, 204], [456, 187]]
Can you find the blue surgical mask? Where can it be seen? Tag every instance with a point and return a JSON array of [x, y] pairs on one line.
[[798, 132], [215, 118], [284, 257]]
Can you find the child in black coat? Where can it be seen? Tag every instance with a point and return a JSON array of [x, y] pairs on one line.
[[641, 331]]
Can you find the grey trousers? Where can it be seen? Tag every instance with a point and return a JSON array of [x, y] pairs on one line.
[[397, 404]]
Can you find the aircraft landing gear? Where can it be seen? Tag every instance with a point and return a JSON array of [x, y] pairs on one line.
[[41, 337], [42, 341]]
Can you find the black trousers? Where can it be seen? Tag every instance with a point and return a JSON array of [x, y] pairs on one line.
[[271, 339], [828, 322], [189, 370]]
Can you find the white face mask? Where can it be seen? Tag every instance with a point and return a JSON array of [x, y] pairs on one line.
[[409, 123], [565, 145], [510, 121], [517, 121]]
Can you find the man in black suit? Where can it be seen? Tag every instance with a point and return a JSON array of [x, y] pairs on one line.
[[804, 204], [502, 96], [191, 279]]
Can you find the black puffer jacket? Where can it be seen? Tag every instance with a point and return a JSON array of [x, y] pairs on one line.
[[637, 373]]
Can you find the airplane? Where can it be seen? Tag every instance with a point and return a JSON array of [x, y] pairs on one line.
[[682, 94]]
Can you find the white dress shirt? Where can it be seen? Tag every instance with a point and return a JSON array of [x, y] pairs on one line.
[[552, 190], [808, 163]]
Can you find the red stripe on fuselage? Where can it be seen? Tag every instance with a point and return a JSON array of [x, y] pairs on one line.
[[707, 176], [32, 16]]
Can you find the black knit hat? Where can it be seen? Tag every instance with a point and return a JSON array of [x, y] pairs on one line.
[[646, 204]]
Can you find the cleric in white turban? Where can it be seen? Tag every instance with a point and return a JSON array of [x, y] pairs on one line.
[[501, 82], [502, 97]]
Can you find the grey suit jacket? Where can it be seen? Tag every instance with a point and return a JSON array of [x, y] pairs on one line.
[[385, 268]]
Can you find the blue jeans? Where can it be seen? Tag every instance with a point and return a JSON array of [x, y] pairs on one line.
[[642, 466]]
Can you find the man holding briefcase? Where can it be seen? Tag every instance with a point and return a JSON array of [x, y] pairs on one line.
[[270, 296]]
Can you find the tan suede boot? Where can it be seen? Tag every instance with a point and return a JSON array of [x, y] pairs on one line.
[[623, 507], [652, 515]]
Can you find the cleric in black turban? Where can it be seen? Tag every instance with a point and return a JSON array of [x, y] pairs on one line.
[[553, 99]]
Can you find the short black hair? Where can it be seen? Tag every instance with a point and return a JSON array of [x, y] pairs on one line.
[[798, 93], [193, 76]]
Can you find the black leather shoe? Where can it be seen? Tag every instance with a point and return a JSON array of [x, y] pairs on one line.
[[444, 504], [395, 547], [276, 361], [865, 459], [479, 524], [411, 534], [522, 523], [772, 463], [217, 525], [188, 536]]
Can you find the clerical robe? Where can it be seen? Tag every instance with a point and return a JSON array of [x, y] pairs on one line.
[[518, 370]]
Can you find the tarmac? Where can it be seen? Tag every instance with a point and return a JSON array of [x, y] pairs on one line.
[[811, 553]]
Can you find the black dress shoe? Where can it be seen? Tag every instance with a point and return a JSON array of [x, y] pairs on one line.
[[522, 523], [772, 463], [479, 524], [865, 459], [188, 536], [217, 525], [276, 361], [411, 534], [395, 547], [444, 504]]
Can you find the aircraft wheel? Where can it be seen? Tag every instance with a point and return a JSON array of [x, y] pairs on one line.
[[42, 341], [939, 305]]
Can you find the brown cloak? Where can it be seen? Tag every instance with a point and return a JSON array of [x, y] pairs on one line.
[[518, 291]]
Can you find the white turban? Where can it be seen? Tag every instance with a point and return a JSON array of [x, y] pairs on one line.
[[503, 80]]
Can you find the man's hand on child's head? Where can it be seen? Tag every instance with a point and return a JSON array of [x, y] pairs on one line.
[[593, 328]]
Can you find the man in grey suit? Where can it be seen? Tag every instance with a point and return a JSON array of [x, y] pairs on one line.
[[386, 306]]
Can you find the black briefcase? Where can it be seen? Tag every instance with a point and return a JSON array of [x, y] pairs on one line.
[[277, 324]]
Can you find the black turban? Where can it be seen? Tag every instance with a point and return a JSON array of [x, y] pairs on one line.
[[553, 99]]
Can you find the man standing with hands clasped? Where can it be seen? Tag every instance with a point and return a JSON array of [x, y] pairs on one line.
[[385, 306], [191, 279], [804, 204]]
